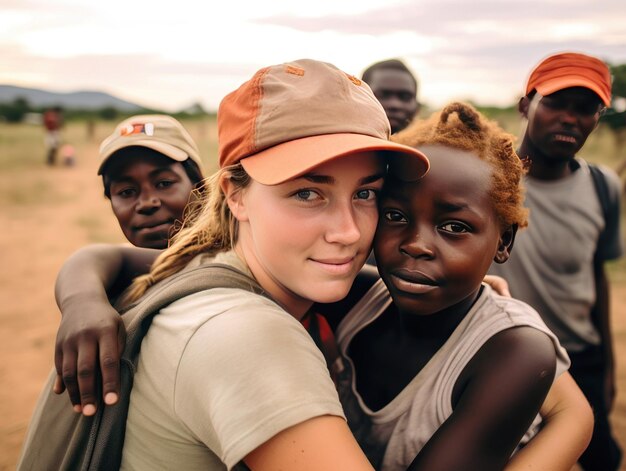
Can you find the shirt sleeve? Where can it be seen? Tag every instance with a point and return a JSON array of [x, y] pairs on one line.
[[246, 375]]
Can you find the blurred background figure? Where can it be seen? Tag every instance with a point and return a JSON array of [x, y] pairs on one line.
[[68, 155], [91, 129], [53, 122], [395, 86]]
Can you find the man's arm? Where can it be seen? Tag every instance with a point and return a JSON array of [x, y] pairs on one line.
[[90, 339]]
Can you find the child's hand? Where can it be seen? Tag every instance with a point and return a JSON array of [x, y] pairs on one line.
[[87, 353], [499, 285]]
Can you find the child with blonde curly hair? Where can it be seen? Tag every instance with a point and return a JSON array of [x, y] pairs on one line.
[[438, 371]]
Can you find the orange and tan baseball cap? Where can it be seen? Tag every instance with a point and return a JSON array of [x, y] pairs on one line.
[[289, 118], [158, 132], [570, 69]]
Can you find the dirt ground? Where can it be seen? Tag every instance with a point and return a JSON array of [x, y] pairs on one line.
[[44, 219]]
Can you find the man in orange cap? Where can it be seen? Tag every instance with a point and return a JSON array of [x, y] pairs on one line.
[[558, 263]]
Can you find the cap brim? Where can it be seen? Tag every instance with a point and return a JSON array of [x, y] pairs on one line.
[[170, 151], [293, 158], [559, 83]]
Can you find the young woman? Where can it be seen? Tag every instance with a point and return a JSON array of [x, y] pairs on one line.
[[227, 376]]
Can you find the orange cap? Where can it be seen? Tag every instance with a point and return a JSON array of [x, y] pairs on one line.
[[290, 118], [570, 69]]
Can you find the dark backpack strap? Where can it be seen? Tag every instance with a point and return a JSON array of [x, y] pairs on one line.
[[137, 319], [106, 440], [60, 439], [602, 189], [610, 211]]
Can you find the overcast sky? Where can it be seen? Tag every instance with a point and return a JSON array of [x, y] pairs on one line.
[[197, 51]]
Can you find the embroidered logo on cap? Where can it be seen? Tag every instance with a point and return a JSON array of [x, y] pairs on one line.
[[290, 69], [354, 80], [138, 128]]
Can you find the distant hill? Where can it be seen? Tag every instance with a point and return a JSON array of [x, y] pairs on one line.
[[84, 100]]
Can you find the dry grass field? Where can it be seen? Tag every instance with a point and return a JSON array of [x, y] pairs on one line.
[[47, 213]]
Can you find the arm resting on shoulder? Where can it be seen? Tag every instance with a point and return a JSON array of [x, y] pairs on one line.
[[323, 442], [91, 334], [499, 285], [565, 434]]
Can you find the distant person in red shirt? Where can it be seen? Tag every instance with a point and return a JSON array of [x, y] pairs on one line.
[[53, 121]]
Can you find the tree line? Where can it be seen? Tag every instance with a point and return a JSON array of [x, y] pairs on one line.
[[17, 110]]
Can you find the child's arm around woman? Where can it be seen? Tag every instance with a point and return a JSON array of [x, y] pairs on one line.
[[85, 286]]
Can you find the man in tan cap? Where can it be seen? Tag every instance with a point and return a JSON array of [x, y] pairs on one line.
[[558, 263], [149, 167]]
